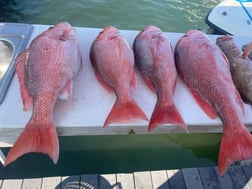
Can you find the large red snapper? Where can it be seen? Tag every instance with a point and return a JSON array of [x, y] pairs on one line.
[[155, 59], [113, 61], [45, 71], [205, 70]]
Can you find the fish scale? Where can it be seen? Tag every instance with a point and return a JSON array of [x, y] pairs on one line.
[[44, 71], [205, 70], [155, 60], [113, 61]]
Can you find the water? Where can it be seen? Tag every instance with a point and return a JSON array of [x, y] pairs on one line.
[[169, 15], [119, 154]]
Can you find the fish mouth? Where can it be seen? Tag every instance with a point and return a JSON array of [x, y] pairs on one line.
[[225, 43], [152, 28], [224, 38], [62, 31], [196, 33], [64, 25], [191, 32], [109, 32]]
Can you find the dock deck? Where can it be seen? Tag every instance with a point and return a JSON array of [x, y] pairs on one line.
[[237, 177]]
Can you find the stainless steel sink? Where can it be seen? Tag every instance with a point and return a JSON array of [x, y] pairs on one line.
[[6, 53], [13, 40]]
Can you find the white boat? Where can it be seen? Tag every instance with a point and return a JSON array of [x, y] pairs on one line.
[[231, 17]]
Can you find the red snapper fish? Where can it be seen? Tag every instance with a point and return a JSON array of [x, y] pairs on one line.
[[45, 71], [155, 60], [113, 62], [205, 70]]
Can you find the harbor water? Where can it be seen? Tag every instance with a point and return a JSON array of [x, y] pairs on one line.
[[169, 15]]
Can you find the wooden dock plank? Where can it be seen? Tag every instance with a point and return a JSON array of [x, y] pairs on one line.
[[70, 181], [225, 181], [192, 178], [51, 182], [159, 179], [201, 178], [209, 178], [143, 180], [125, 180], [176, 179], [107, 181], [248, 172], [34, 183], [12, 184], [89, 181], [238, 176]]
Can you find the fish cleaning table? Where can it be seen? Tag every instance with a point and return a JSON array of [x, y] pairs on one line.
[[87, 147]]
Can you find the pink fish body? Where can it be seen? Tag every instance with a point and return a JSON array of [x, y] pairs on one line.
[[45, 71], [205, 70], [155, 59], [113, 61]]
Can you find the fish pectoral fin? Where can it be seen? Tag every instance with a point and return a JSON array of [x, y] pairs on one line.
[[148, 82], [98, 76], [206, 106], [133, 81], [247, 50], [20, 64], [240, 102], [103, 83], [66, 91]]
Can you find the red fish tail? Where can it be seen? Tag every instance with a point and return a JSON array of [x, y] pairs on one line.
[[166, 114], [236, 144], [124, 110], [36, 137]]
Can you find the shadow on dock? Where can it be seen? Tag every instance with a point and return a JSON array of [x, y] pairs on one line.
[[238, 177]]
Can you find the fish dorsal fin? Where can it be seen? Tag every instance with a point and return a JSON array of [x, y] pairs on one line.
[[133, 83], [148, 82], [205, 105], [20, 64], [247, 50], [98, 77], [240, 102]]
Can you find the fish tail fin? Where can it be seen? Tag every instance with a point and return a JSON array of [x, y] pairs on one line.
[[124, 110], [36, 137], [166, 114], [236, 144]]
